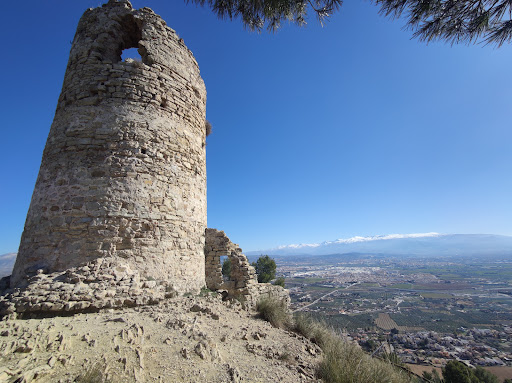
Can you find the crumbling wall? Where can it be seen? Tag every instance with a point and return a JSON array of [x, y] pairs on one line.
[[102, 283], [242, 283], [123, 173]]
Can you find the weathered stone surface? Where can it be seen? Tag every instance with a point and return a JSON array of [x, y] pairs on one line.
[[106, 284], [123, 174], [118, 214], [243, 282]]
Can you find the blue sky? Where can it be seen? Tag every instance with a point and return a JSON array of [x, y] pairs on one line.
[[318, 133]]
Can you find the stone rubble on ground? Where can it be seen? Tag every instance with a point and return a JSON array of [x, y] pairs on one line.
[[101, 284], [107, 283], [175, 341]]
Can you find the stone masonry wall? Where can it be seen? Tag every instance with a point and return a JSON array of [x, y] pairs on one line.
[[102, 283], [243, 282], [123, 173]]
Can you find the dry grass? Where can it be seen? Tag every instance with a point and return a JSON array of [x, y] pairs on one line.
[[274, 311], [345, 362], [95, 374], [315, 331]]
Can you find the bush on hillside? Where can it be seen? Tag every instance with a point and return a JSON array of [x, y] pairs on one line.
[[458, 372], [274, 311], [392, 358], [265, 268], [433, 376]]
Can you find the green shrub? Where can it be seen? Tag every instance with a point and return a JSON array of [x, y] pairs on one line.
[[205, 291], [265, 268], [226, 267], [485, 376], [392, 358], [458, 372], [274, 311], [279, 282], [434, 377]]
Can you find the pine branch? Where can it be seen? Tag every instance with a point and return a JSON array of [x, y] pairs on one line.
[[256, 14], [454, 21]]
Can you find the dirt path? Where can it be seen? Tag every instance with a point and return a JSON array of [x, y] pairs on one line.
[[316, 300]]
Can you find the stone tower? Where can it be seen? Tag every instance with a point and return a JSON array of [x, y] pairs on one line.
[[123, 173]]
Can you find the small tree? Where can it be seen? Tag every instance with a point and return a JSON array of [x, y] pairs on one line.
[[457, 372], [265, 268], [279, 282], [369, 345], [485, 376], [226, 267]]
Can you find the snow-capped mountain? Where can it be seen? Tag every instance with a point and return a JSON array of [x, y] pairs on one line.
[[404, 244]]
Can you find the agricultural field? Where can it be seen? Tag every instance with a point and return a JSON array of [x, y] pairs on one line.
[[347, 322], [436, 296], [461, 296], [385, 322], [441, 309]]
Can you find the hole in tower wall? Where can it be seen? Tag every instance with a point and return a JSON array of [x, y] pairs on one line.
[[128, 36], [131, 53]]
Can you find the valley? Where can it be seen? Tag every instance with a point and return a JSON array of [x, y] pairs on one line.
[[427, 310]]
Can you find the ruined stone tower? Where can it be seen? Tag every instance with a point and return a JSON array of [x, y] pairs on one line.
[[123, 173]]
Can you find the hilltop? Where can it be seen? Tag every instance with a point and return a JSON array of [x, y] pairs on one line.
[[186, 339]]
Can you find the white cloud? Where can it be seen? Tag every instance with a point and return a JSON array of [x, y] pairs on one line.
[[299, 246], [361, 239]]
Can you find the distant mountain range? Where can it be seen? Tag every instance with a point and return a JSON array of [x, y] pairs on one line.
[[6, 264], [421, 244]]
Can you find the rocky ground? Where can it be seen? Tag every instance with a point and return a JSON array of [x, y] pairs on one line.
[[183, 339]]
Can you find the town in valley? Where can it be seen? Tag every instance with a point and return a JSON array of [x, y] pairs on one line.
[[426, 310]]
